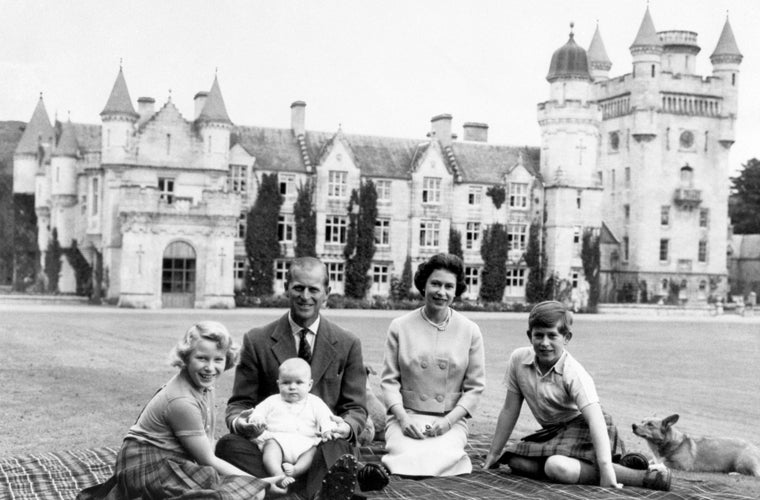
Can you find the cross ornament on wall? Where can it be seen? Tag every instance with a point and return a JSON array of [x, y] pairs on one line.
[[140, 253], [222, 255]]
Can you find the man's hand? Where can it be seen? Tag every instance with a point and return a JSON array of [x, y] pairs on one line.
[[245, 426], [341, 430]]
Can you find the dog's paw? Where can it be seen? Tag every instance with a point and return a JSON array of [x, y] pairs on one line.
[[659, 467]]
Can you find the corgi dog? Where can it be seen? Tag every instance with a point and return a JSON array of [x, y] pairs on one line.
[[680, 451]]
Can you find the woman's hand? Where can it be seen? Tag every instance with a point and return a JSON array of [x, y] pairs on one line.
[[410, 428], [439, 427], [491, 461], [607, 477]]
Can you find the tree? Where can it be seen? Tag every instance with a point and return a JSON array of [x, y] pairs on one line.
[[455, 243], [306, 222], [498, 195], [360, 243], [493, 249], [400, 287], [53, 262], [262, 245], [590, 256], [744, 206], [25, 251], [82, 269], [534, 289]]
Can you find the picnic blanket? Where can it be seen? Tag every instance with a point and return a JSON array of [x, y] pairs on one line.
[[61, 475]]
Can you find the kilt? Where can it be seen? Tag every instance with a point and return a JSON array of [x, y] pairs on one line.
[[572, 439], [145, 471]]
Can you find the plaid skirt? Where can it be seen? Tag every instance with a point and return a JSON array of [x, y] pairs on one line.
[[570, 439], [147, 472]]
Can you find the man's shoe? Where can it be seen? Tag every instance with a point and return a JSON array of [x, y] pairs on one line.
[[372, 477], [658, 479], [340, 481], [634, 460]]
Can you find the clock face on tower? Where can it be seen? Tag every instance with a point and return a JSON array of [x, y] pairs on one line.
[[687, 139]]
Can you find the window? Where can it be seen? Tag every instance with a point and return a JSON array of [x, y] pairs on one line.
[[168, 144], [626, 248], [380, 273], [574, 277], [383, 188], [335, 271], [285, 228], [472, 235], [429, 233], [209, 142], [612, 179], [665, 215], [287, 184], [517, 236], [237, 179], [627, 213], [664, 243], [242, 224], [702, 253], [515, 281], [280, 270], [627, 176], [431, 190], [471, 276], [83, 204], [578, 198], [576, 241], [166, 189], [335, 229], [614, 138], [238, 269], [383, 232], [95, 196], [518, 195], [704, 217], [475, 195], [337, 184], [687, 175]]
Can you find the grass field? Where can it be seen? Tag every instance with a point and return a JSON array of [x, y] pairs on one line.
[[77, 377]]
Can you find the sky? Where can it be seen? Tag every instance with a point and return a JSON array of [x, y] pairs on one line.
[[369, 67]]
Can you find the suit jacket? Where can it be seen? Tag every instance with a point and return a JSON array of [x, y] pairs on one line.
[[337, 368]]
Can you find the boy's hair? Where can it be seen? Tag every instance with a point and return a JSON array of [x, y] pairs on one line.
[[205, 330], [549, 314]]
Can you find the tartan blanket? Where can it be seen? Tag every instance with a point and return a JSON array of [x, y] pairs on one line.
[[61, 475]]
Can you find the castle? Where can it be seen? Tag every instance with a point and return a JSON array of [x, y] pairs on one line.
[[158, 200]]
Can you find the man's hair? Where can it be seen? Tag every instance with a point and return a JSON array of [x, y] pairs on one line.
[[549, 314], [306, 263]]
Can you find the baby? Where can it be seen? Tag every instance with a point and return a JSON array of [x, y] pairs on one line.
[[289, 425]]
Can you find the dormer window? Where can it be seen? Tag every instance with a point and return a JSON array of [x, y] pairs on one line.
[[337, 184], [431, 190]]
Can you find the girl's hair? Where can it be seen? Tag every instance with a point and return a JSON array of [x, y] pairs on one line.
[[205, 330], [447, 262], [549, 314]]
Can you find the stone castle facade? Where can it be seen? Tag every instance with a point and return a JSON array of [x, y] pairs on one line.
[[159, 200]]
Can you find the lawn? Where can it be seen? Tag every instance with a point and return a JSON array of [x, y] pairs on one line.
[[78, 377]]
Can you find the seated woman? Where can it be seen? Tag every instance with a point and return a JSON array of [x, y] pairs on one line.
[[433, 377], [168, 452]]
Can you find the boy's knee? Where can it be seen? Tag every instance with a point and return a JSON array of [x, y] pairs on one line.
[[562, 469]]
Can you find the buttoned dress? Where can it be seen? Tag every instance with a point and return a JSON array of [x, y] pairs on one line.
[[431, 371]]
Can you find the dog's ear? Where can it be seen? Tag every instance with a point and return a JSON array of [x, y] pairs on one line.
[[667, 422]]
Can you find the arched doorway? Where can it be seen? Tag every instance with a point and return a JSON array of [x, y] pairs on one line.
[[178, 275]]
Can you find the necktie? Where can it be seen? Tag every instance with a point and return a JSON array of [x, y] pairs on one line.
[[304, 350]]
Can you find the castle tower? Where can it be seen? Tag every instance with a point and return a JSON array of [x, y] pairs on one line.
[[32, 150], [119, 117], [646, 52], [569, 144], [214, 126], [63, 178], [726, 60], [599, 63]]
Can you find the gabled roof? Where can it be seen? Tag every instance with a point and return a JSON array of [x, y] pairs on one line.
[[597, 53], [67, 142], [489, 163], [606, 236], [274, 148], [88, 136], [726, 43], [38, 129], [214, 109], [119, 102], [647, 35]]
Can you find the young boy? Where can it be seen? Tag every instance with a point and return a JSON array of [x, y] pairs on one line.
[[577, 439], [291, 424]]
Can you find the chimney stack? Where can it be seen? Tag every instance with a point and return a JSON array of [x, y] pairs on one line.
[[200, 101], [441, 128], [474, 131], [145, 107], [298, 118]]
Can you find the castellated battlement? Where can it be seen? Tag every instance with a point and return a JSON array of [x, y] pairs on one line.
[[568, 110], [138, 199], [667, 81]]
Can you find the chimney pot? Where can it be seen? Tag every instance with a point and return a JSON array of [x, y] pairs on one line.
[[200, 101], [476, 132], [298, 118], [145, 107], [441, 128]]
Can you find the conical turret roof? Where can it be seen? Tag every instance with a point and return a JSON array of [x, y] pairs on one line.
[[647, 35], [726, 43], [214, 109], [569, 61], [597, 53], [119, 102], [67, 143], [37, 130]]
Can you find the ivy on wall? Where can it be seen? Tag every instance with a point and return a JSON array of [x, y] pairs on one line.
[[261, 241]]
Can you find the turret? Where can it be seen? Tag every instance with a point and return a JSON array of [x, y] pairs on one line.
[[32, 150], [214, 126], [679, 51], [599, 63], [646, 50], [119, 118], [568, 72], [726, 60], [64, 183]]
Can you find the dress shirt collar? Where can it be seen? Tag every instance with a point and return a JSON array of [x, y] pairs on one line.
[[295, 328]]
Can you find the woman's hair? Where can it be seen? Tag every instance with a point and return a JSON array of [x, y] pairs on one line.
[[549, 314], [205, 330], [445, 261]]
